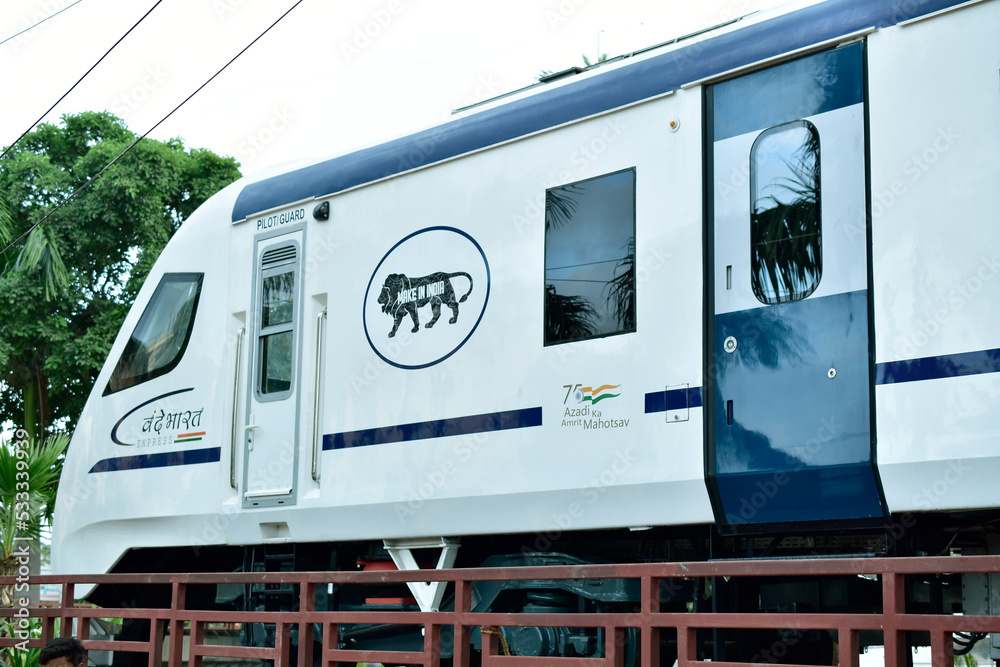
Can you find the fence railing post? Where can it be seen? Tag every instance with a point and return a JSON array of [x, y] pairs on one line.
[[178, 600], [687, 645], [893, 606], [649, 637], [331, 632], [942, 648], [432, 645], [849, 647], [282, 642], [195, 640], [307, 634], [68, 602], [156, 630]]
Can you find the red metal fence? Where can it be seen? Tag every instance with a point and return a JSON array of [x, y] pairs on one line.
[[169, 625]]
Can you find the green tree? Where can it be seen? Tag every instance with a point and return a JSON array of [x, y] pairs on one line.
[[68, 289]]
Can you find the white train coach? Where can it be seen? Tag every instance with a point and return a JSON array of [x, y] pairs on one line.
[[734, 295]]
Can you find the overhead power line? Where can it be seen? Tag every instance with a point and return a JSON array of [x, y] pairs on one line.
[[92, 67], [30, 28], [160, 122]]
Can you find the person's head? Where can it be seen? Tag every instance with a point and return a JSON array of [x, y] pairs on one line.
[[62, 652]]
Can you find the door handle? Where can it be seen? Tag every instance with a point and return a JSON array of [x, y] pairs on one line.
[[250, 428]]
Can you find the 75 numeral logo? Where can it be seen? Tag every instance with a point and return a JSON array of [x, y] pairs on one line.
[[570, 389]]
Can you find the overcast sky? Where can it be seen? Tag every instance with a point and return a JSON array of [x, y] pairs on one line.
[[330, 77]]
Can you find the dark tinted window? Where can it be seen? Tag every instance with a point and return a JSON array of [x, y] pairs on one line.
[[786, 255], [590, 258], [276, 363], [161, 336]]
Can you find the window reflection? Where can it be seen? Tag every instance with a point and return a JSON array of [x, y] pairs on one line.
[[276, 363], [785, 235], [278, 293], [590, 258]]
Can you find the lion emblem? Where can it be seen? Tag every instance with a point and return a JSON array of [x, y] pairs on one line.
[[402, 296]]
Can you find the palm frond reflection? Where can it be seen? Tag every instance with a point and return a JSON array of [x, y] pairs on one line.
[[785, 226]]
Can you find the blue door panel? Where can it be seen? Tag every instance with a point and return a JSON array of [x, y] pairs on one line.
[[792, 443], [829, 494], [790, 380]]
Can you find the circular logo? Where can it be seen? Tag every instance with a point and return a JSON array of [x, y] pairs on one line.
[[426, 297]]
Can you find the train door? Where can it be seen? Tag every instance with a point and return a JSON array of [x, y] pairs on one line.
[[790, 436], [271, 428]]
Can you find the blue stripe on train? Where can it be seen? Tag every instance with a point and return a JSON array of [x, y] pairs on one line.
[[942, 366], [159, 460], [438, 428], [673, 399]]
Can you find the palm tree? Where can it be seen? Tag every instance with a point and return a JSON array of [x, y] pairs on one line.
[[29, 475], [38, 260], [41, 254]]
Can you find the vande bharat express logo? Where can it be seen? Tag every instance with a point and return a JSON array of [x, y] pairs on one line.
[[432, 272], [164, 420]]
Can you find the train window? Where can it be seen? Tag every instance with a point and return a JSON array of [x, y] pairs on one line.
[[590, 258], [276, 367], [161, 336], [786, 255], [276, 337], [278, 299]]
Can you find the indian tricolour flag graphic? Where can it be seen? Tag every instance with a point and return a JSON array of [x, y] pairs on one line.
[[597, 394]]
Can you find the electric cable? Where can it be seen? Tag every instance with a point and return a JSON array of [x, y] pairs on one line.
[[92, 67], [30, 28], [147, 132]]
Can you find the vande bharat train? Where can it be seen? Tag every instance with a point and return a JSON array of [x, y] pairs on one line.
[[735, 295]]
